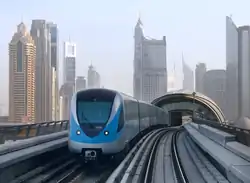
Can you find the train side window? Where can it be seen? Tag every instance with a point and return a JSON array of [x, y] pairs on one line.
[[121, 121], [127, 110], [134, 108]]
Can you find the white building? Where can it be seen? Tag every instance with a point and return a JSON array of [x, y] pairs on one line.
[[69, 63], [150, 66], [54, 94], [61, 108], [69, 75]]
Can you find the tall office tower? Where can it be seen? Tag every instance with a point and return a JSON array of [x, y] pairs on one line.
[[188, 77], [61, 109], [200, 71], [244, 68], [69, 63], [69, 75], [41, 35], [66, 92], [54, 37], [22, 60], [150, 66], [215, 86], [232, 71], [94, 79], [80, 83], [54, 95]]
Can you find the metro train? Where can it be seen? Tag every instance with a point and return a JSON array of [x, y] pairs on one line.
[[105, 122]]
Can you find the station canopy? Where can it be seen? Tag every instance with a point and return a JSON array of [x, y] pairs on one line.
[[184, 100]]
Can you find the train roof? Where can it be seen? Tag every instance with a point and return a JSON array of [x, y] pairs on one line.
[[117, 92]]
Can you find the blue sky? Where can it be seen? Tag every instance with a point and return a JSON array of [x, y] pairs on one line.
[[103, 32]]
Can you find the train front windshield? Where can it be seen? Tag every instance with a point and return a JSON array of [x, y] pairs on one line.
[[93, 112], [94, 107]]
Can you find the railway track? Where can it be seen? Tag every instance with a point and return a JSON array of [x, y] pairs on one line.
[[162, 146], [138, 165], [50, 172], [178, 167], [163, 167]]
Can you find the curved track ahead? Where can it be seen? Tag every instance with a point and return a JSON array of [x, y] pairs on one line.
[[165, 155], [178, 167]]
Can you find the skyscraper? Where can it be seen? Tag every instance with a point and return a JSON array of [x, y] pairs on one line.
[[188, 76], [94, 80], [41, 35], [69, 75], [80, 83], [232, 71], [55, 69], [69, 63], [244, 71], [22, 60], [200, 71], [150, 66], [215, 86]]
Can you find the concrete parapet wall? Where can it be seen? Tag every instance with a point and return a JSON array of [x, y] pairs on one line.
[[222, 147]]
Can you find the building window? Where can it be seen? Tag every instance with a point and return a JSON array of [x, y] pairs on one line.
[[19, 57]]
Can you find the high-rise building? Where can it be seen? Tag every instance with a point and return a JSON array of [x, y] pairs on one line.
[[200, 71], [41, 35], [215, 86], [244, 71], [237, 70], [69, 75], [232, 71], [22, 73], [150, 66], [61, 109], [69, 63], [55, 68], [80, 83], [94, 80], [66, 92], [188, 76], [54, 95]]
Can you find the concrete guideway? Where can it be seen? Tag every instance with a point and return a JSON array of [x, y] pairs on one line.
[[19, 131], [17, 158], [221, 146], [186, 154]]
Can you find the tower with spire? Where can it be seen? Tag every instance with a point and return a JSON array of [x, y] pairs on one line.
[[150, 72]]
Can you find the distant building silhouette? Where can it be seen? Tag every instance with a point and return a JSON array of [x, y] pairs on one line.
[[150, 67], [94, 80], [81, 83], [188, 76], [200, 71], [215, 86]]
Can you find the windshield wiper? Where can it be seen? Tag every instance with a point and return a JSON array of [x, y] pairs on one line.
[[87, 121]]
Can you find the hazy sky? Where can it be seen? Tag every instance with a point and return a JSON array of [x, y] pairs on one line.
[[103, 32]]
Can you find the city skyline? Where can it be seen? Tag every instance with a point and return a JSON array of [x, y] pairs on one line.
[[178, 26]]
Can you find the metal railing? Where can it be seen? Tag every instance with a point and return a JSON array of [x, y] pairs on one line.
[[242, 135], [25, 131]]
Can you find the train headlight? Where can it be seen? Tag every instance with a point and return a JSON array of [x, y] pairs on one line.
[[106, 133], [78, 132]]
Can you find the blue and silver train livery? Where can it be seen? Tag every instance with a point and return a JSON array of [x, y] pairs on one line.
[[105, 122]]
